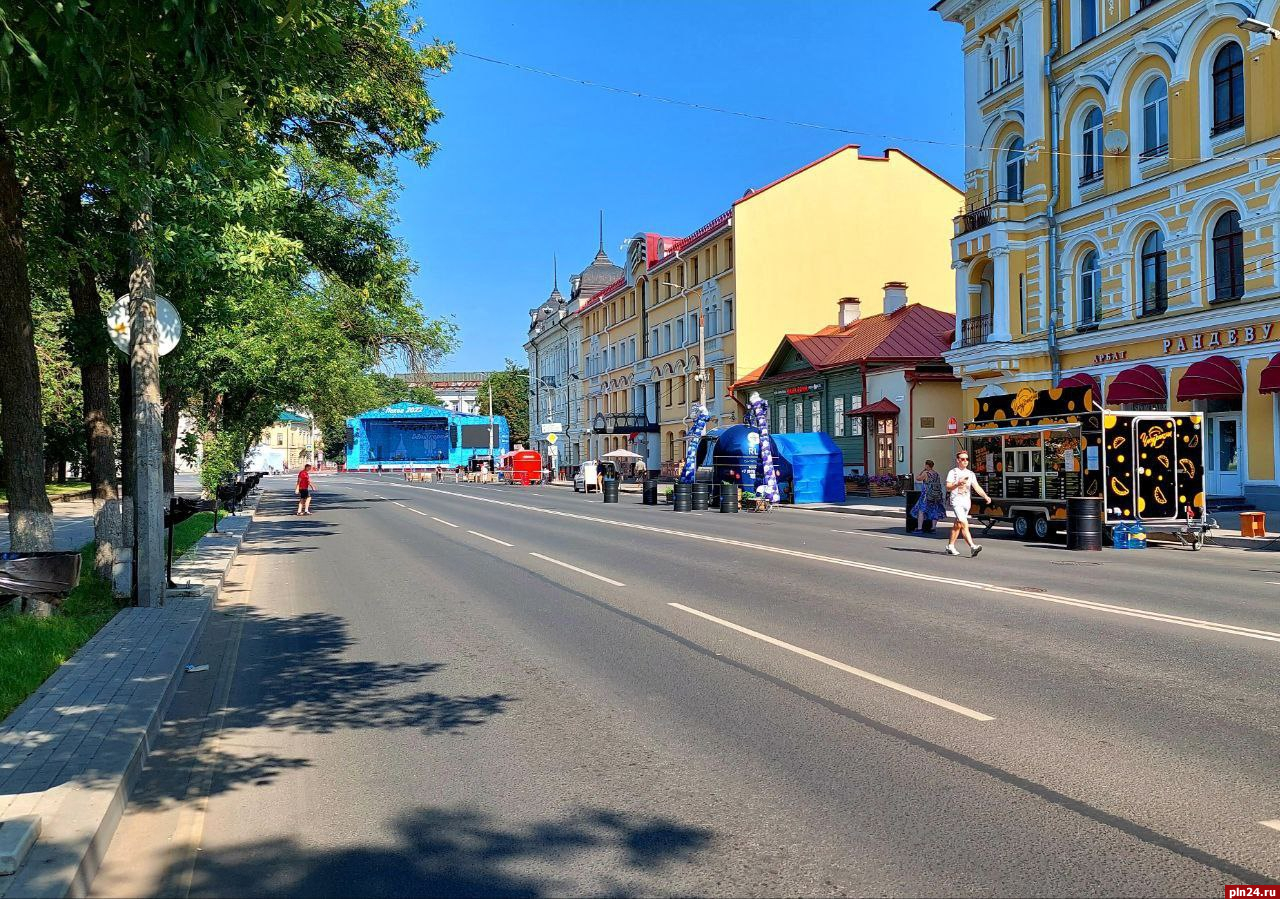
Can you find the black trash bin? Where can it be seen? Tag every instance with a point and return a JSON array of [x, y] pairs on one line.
[[701, 496], [649, 495], [48, 576], [1084, 522], [682, 498], [610, 490], [728, 498]]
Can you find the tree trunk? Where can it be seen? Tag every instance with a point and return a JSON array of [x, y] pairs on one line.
[[144, 356], [172, 397], [126, 454], [92, 353], [21, 425]]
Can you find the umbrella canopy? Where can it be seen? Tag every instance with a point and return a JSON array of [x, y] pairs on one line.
[[622, 454]]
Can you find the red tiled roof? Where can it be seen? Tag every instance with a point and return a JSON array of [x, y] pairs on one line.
[[879, 407], [705, 231]]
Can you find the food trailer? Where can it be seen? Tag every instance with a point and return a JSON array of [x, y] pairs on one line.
[[1032, 450], [522, 467]]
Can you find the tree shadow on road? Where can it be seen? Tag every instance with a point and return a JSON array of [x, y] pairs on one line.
[[462, 852], [293, 675]]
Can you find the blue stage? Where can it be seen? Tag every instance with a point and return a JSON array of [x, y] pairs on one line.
[[405, 435]]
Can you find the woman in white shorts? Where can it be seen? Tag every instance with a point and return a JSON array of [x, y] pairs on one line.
[[961, 485]]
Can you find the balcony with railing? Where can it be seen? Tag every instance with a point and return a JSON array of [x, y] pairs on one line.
[[990, 208], [975, 330]]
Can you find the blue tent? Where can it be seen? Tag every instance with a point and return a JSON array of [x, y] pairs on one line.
[[814, 465]]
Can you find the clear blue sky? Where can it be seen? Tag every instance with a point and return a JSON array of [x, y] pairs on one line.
[[526, 161]]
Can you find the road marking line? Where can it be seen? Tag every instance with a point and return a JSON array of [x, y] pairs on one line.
[[841, 666], [442, 521], [494, 539], [400, 504], [869, 534], [1126, 611], [599, 577], [1273, 824]]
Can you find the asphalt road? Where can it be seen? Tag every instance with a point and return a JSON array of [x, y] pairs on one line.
[[465, 690]]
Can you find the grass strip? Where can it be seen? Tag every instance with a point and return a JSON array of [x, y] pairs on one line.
[[32, 648], [54, 489]]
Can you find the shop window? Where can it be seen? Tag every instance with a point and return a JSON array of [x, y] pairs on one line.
[[1228, 257], [1090, 290], [1014, 170], [1155, 120], [1155, 279], [1228, 89]]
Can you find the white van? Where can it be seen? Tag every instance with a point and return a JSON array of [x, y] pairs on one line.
[[585, 479]]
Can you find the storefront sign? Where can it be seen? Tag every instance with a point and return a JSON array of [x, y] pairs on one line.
[[1116, 356], [805, 388], [926, 421], [1226, 337]]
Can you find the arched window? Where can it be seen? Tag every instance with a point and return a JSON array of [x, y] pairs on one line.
[[1155, 279], [993, 75], [1090, 289], [1228, 257], [1091, 147], [1155, 120], [1088, 20], [1228, 89], [1013, 170], [1006, 58]]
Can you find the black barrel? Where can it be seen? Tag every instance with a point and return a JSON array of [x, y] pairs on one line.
[[682, 498], [1084, 522], [728, 498], [701, 496], [912, 496], [650, 494], [610, 490]]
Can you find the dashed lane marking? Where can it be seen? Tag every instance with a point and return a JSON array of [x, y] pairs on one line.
[[869, 534], [442, 521], [841, 666], [1274, 824], [494, 539], [1090, 605], [599, 577]]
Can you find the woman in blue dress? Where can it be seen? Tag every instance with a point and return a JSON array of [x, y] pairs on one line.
[[929, 505]]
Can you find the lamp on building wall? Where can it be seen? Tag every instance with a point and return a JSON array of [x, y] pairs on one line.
[[1257, 26]]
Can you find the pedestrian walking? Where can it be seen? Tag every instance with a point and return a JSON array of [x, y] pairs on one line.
[[303, 489], [961, 485], [642, 471], [930, 504]]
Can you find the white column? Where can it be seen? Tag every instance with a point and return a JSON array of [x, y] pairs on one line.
[[1002, 296], [1033, 85], [961, 268], [974, 76]]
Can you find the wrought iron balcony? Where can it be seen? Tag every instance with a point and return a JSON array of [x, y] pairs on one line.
[[975, 330]]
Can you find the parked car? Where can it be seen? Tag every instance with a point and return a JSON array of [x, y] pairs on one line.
[[587, 478]]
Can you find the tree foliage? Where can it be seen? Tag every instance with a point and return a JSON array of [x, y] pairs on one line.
[[510, 399]]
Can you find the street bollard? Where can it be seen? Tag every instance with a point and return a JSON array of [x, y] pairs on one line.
[[650, 493], [682, 498], [610, 490], [701, 496]]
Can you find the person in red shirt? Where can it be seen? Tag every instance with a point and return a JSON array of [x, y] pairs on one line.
[[304, 490]]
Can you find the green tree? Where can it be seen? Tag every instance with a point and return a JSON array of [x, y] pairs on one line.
[[510, 399]]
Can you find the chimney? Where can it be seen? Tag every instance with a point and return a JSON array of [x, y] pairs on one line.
[[850, 310], [895, 296]]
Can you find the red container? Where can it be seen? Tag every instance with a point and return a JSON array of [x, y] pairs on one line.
[[523, 467]]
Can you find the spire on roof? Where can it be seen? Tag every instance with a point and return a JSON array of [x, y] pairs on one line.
[[556, 296]]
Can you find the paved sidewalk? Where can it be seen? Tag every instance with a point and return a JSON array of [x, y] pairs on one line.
[[70, 753]]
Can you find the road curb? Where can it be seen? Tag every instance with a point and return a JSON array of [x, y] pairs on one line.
[[72, 752]]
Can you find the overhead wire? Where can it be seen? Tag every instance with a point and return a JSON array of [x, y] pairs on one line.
[[797, 123]]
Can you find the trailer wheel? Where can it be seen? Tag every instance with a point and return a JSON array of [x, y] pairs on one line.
[[1022, 526], [1043, 529]]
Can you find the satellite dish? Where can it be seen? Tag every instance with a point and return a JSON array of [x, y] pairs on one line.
[[168, 324], [1115, 141]]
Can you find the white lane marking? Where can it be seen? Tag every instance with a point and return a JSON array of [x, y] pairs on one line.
[[1126, 611], [1274, 824], [442, 521], [599, 577], [400, 504], [869, 534], [1276, 583], [841, 666], [494, 539]]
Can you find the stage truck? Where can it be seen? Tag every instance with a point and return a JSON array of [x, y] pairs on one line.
[[1031, 450]]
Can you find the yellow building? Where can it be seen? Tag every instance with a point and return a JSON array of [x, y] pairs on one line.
[[291, 439], [1122, 215], [775, 262]]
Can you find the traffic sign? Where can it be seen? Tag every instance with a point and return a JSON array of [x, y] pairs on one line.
[[551, 439], [168, 324]]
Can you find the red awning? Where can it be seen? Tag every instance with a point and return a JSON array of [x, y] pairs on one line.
[[1209, 379], [1083, 379], [1140, 384], [879, 407], [1270, 382]]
